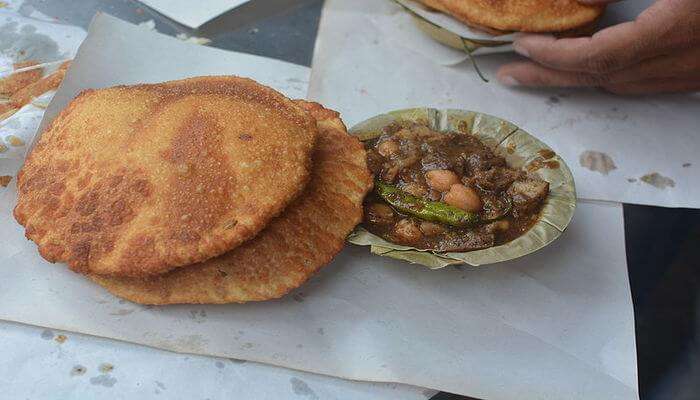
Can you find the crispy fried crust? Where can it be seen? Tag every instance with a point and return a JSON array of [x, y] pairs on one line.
[[9, 85], [138, 180], [292, 248], [520, 15]]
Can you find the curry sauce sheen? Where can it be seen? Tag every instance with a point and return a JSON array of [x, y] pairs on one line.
[[447, 191]]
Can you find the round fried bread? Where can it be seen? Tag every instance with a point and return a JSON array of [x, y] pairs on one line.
[[138, 180], [520, 15], [309, 233]]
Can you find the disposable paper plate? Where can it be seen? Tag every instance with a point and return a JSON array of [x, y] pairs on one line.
[[521, 151]]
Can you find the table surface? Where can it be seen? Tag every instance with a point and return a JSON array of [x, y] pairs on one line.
[[662, 244]]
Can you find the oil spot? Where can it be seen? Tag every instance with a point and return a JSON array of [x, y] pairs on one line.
[[547, 154], [24, 43], [60, 339], [552, 101], [321, 331], [123, 311], [300, 388], [198, 316], [219, 365], [299, 297], [103, 380], [248, 345], [658, 181], [78, 370], [122, 301], [597, 161], [382, 366], [106, 368], [300, 346], [160, 385], [237, 361], [15, 141], [47, 334], [631, 180], [687, 165]]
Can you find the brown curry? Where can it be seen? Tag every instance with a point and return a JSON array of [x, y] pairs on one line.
[[447, 191]]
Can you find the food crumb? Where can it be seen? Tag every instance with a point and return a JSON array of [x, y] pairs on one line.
[[106, 368], [511, 148], [631, 180], [658, 181], [60, 339], [3, 148], [14, 141], [5, 180]]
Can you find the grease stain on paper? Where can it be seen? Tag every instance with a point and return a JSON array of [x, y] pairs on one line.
[[47, 334], [658, 181], [122, 312], [78, 370], [300, 388], [103, 380], [23, 43], [597, 161], [299, 297], [106, 368], [199, 316]]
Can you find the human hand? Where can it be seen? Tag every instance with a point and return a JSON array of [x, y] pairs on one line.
[[658, 52]]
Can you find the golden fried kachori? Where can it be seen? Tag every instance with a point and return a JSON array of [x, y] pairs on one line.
[[309, 233], [520, 15], [138, 180]]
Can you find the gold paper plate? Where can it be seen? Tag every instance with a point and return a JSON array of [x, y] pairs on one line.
[[520, 149]]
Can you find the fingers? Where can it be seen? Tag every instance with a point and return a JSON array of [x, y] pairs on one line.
[[683, 65], [663, 28], [608, 50], [654, 86]]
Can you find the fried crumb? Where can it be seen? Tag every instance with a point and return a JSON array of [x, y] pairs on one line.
[[14, 141], [106, 368], [3, 148], [5, 180], [60, 339]]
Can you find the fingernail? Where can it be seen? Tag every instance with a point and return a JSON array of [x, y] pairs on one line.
[[508, 80], [520, 49]]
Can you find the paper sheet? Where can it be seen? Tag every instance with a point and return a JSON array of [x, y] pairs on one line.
[[557, 324], [190, 13], [87, 367], [36, 357], [363, 73]]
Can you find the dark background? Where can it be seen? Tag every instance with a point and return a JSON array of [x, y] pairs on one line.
[[663, 245]]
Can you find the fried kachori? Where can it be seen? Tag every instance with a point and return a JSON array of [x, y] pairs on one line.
[[309, 233], [138, 180], [520, 15]]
